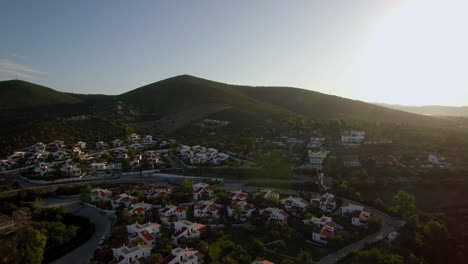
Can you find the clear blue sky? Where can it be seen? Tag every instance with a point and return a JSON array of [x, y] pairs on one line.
[[406, 52]]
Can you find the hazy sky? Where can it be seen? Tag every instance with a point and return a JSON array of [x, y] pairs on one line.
[[406, 52]]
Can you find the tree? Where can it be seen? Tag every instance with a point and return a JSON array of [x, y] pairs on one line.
[[30, 245], [376, 256], [257, 247], [404, 204]]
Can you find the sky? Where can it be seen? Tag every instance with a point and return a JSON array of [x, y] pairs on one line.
[[409, 52]]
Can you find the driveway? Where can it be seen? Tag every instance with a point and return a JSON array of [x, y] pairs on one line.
[[84, 253]]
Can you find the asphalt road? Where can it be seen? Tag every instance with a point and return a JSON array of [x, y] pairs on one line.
[[82, 254]]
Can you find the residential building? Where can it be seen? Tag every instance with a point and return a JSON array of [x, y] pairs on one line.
[[262, 262], [268, 193], [207, 209], [323, 230], [98, 194], [122, 200], [359, 214], [117, 143], [317, 158], [101, 145], [294, 205], [241, 210], [352, 138], [316, 143], [172, 213], [133, 255], [185, 229], [274, 215], [202, 191], [160, 191], [238, 196], [186, 256], [140, 208], [146, 232], [326, 202], [98, 166]]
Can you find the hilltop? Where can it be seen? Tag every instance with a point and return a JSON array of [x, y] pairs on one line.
[[184, 93], [432, 110], [17, 94]]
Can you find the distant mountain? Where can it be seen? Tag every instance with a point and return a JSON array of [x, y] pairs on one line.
[[16, 94], [185, 92], [430, 110]]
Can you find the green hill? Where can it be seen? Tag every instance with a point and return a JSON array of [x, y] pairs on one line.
[[16, 94], [184, 93]]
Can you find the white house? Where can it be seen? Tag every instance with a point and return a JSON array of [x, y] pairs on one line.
[[326, 202], [317, 158], [186, 256], [59, 155], [140, 208], [202, 191], [42, 168], [172, 213], [359, 214], [160, 191], [352, 138], [117, 143], [146, 232], [98, 166], [71, 168], [100, 145], [323, 230], [238, 196], [268, 193], [316, 142], [240, 210], [98, 194], [294, 205], [133, 255], [122, 200], [207, 209], [274, 215], [148, 139], [134, 137], [185, 229], [80, 144]]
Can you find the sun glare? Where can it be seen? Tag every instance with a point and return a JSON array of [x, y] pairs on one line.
[[419, 53]]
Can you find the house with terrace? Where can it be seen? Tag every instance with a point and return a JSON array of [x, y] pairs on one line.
[[185, 229], [134, 137], [238, 196], [352, 138], [207, 209], [98, 194], [117, 143], [268, 193], [140, 209], [183, 256], [123, 200], [359, 214], [60, 155], [294, 205], [202, 191], [101, 145], [98, 166], [148, 139], [133, 255], [80, 144], [172, 213], [323, 230], [71, 168], [160, 191], [42, 168], [146, 232], [351, 161], [326, 202], [241, 210], [274, 215]]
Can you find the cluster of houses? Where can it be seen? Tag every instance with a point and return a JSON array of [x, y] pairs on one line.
[[201, 155], [205, 207], [352, 138]]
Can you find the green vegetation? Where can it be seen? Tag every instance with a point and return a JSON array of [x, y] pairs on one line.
[[16, 94]]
